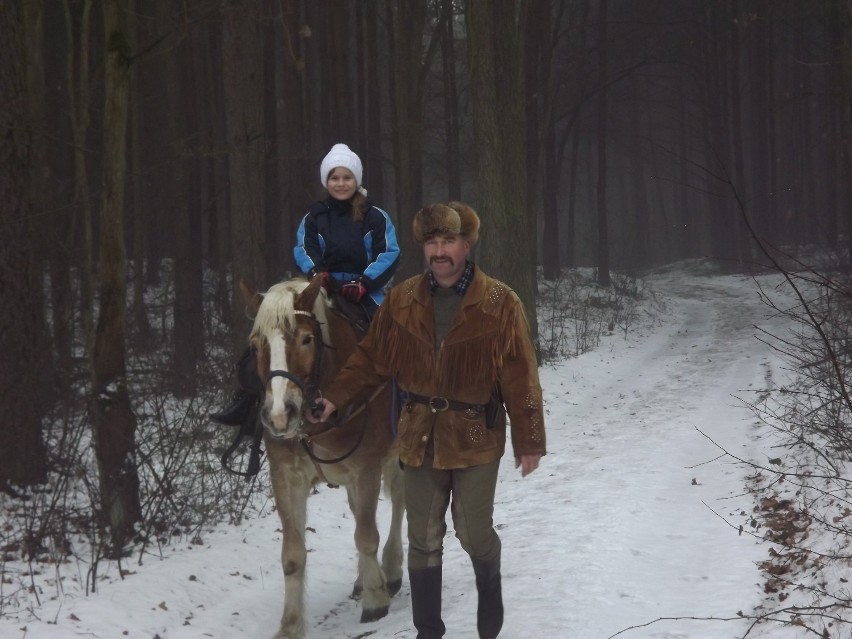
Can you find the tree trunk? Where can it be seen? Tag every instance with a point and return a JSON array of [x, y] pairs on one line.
[[639, 249], [550, 205], [25, 352], [274, 258], [557, 130], [452, 147], [408, 21], [761, 116], [541, 142], [690, 238], [373, 157], [138, 200], [603, 223], [300, 176], [78, 82], [339, 113], [44, 242], [845, 223], [113, 422], [246, 155], [186, 214], [715, 89], [497, 107], [571, 217], [741, 239]]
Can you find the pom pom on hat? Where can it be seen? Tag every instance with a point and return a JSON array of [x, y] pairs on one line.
[[454, 218], [341, 156]]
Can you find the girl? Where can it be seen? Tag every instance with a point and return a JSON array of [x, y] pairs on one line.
[[345, 237]]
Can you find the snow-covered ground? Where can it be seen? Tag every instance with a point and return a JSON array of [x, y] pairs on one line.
[[631, 517]]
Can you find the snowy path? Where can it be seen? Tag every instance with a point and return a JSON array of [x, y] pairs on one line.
[[614, 530], [639, 541]]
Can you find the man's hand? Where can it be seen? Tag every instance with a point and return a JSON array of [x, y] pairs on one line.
[[527, 463], [327, 409], [353, 291]]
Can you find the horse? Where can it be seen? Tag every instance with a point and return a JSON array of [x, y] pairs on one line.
[[301, 339]]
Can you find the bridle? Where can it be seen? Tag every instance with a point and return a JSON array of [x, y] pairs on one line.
[[309, 388], [311, 392]]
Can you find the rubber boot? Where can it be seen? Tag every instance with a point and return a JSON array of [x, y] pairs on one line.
[[426, 602], [238, 411], [489, 611]]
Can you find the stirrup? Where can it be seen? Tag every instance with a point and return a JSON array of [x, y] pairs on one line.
[[251, 429]]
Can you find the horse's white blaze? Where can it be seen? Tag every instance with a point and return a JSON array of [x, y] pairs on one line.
[[278, 362]]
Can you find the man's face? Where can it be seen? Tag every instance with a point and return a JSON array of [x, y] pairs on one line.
[[445, 255]]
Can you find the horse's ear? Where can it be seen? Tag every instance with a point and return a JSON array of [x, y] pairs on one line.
[[253, 298], [308, 297]]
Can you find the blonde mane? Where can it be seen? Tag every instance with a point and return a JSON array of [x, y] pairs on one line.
[[277, 310]]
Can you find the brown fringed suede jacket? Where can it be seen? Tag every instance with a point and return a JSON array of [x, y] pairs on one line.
[[487, 348]]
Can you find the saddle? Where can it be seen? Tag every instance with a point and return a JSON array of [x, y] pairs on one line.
[[356, 314]]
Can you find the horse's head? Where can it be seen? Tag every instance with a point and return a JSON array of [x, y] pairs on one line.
[[289, 333]]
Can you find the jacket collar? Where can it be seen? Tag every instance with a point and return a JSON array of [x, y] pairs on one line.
[[422, 293], [461, 285]]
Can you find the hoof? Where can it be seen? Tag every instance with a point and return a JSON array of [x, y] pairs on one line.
[[394, 586], [357, 591], [373, 614]]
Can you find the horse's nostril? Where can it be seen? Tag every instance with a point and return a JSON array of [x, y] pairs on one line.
[[291, 409]]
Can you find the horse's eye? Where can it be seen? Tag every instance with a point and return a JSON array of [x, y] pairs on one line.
[[307, 339]]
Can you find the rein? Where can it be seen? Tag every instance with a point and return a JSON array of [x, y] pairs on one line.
[[310, 388], [308, 440]]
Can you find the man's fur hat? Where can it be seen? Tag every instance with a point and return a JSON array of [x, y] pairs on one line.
[[453, 218]]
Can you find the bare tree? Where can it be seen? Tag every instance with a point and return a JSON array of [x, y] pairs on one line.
[[497, 104], [373, 113], [296, 172], [408, 20], [113, 421], [77, 80], [845, 18], [186, 209], [242, 76], [603, 215], [557, 104], [24, 361], [449, 68]]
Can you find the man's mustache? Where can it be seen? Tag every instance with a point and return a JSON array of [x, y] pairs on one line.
[[442, 259]]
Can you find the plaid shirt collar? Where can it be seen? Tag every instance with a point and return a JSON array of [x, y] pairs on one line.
[[459, 287]]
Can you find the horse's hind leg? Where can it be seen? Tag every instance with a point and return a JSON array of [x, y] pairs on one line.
[[363, 499], [392, 553]]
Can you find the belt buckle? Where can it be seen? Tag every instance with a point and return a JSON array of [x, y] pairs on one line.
[[439, 404]]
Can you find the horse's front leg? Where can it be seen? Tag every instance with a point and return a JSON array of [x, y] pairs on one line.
[[291, 487], [363, 500]]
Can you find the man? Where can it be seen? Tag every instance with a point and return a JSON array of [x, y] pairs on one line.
[[458, 344]]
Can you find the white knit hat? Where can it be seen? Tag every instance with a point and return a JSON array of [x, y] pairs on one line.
[[341, 156]]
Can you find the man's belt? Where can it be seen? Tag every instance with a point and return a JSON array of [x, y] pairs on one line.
[[440, 404]]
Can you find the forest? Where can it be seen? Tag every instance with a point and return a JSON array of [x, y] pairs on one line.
[[155, 153]]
